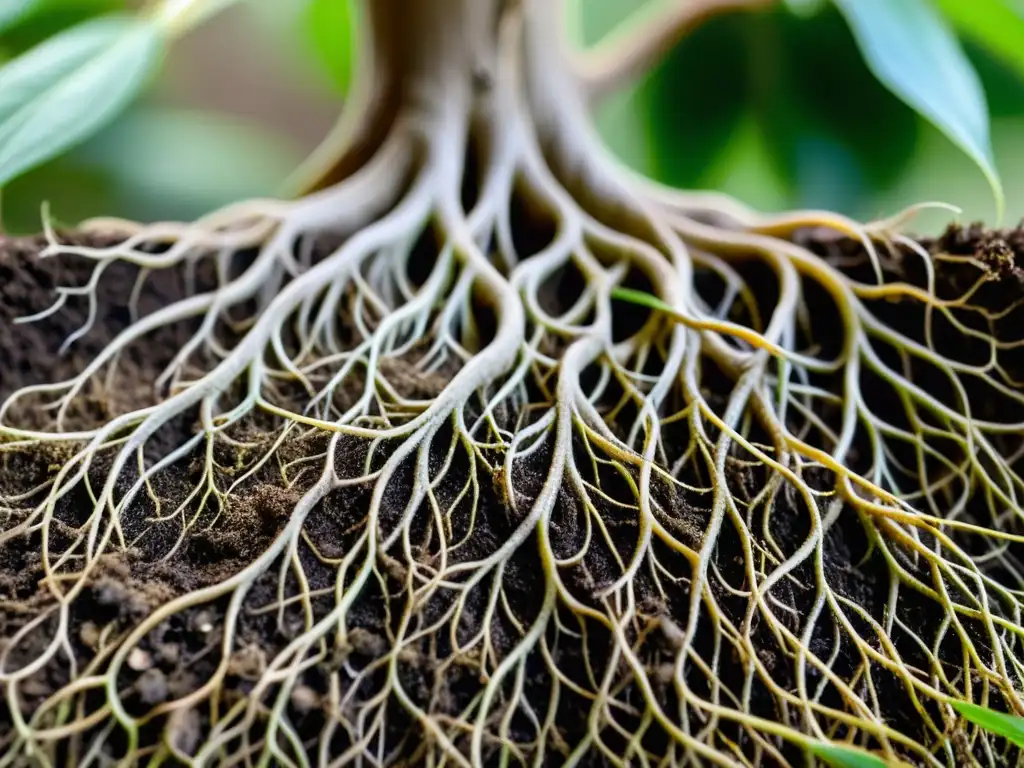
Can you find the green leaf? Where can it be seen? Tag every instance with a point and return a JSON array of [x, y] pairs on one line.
[[65, 90], [331, 26], [993, 25], [1010, 727], [846, 757], [13, 11], [909, 48]]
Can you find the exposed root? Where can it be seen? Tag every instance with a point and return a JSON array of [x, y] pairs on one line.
[[598, 619]]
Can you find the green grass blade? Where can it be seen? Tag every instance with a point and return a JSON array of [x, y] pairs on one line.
[[846, 757], [66, 89], [909, 47], [641, 298], [1010, 727]]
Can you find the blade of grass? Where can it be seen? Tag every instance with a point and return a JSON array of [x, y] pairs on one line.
[[847, 757], [642, 298], [1010, 727]]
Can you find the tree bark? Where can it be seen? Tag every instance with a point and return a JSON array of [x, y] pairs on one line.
[[425, 56]]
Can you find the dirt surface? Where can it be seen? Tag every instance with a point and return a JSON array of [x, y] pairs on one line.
[[184, 651]]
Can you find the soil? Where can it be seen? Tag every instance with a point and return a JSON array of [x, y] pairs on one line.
[[184, 651]]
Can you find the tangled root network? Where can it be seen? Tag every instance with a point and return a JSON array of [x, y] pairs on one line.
[[526, 522]]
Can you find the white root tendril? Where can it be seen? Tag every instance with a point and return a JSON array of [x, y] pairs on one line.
[[517, 528]]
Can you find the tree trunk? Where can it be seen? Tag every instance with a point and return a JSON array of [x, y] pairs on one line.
[[422, 57]]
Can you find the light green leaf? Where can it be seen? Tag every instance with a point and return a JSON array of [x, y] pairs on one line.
[[846, 757], [63, 91], [993, 24], [911, 51], [13, 11], [1010, 727], [331, 26]]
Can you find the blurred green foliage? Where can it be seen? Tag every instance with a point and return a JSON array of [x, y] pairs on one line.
[[331, 28], [777, 108], [154, 161]]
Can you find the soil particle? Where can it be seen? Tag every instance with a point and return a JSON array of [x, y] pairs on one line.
[[248, 663], [139, 660], [411, 382], [305, 699], [185, 729], [152, 687], [367, 643], [89, 634]]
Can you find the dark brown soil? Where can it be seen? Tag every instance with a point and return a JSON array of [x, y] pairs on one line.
[[182, 653]]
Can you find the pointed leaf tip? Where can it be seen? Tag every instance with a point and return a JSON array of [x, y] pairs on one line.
[[910, 49]]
